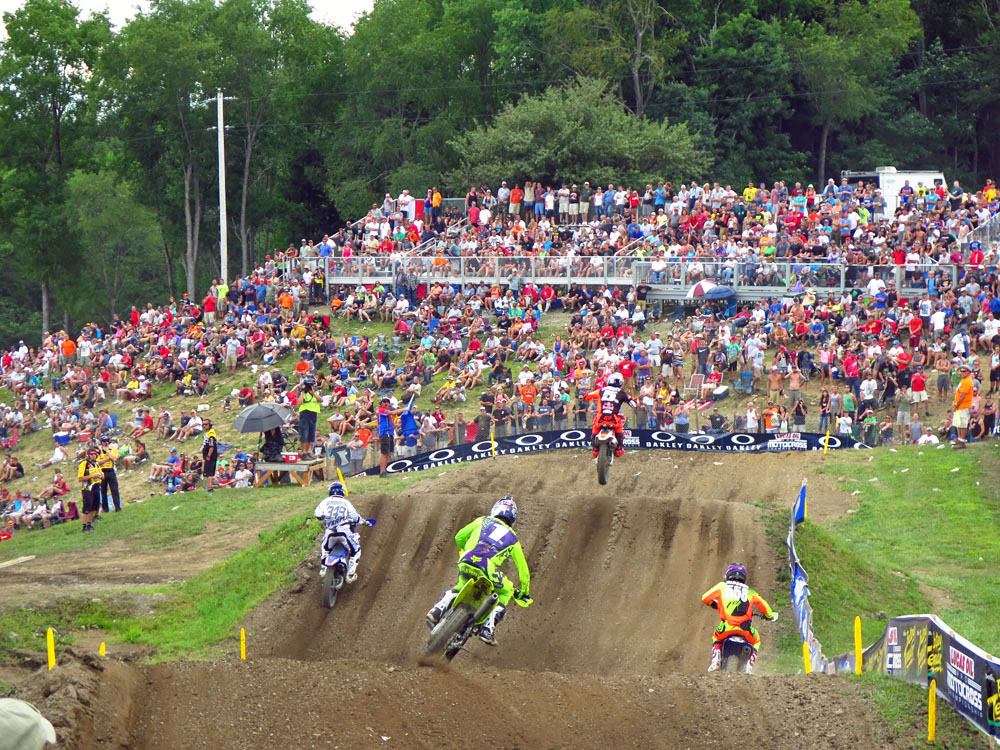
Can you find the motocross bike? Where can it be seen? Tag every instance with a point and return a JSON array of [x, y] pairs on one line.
[[606, 444], [735, 654], [465, 616], [333, 567]]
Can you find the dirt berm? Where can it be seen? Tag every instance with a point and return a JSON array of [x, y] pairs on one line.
[[613, 651]]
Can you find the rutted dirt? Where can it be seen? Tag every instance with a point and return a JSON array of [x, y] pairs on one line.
[[612, 652]]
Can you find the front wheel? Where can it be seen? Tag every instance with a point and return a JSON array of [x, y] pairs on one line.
[[331, 586], [444, 630], [603, 453]]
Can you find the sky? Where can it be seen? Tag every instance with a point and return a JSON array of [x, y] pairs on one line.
[[338, 12]]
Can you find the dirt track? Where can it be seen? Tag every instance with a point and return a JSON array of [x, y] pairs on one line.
[[612, 652]]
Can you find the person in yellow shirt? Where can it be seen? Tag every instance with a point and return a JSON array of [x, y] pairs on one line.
[[749, 192], [109, 479], [962, 405], [90, 475]]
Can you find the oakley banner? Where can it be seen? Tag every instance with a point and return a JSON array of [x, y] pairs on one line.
[[531, 442]]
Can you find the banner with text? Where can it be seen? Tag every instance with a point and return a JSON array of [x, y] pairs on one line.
[[531, 442], [921, 648], [800, 587]]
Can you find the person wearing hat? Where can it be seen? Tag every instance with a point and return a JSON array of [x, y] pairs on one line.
[[22, 726], [90, 475], [719, 424], [962, 405]]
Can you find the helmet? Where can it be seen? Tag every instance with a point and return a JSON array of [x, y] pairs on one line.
[[105, 439], [736, 572], [337, 490], [505, 510], [616, 379]]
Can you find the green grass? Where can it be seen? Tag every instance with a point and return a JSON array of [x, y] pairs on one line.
[[25, 627], [166, 520], [197, 615], [947, 539], [903, 710], [207, 608], [844, 584]]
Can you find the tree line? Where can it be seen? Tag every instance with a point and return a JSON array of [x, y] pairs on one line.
[[108, 179]]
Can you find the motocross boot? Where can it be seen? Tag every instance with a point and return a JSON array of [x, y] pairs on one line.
[[438, 610], [487, 630], [750, 662], [716, 658], [352, 568]]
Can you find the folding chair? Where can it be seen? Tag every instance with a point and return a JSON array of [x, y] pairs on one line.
[[694, 387], [745, 383]]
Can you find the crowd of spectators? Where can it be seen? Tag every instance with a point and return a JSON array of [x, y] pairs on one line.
[[783, 235], [862, 361]]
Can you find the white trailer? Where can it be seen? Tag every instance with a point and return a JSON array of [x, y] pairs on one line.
[[890, 180]]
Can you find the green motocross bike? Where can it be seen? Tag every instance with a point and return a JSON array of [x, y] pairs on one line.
[[464, 617]]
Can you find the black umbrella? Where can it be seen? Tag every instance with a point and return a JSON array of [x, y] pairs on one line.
[[261, 417]]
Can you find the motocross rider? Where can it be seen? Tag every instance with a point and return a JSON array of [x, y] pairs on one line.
[[485, 544], [735, 602], [611, 398], [339, 517]]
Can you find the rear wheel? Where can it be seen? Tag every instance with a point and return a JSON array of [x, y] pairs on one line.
[[331, 586], [444, 630], [603, 453]]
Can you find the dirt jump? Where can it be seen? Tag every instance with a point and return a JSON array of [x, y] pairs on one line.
[[612, 652]]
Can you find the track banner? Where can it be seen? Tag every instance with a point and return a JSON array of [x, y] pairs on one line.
[[531, 442], [800, 588], [921, 648]]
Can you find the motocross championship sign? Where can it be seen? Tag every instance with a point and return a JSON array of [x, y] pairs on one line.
[[532, 442]]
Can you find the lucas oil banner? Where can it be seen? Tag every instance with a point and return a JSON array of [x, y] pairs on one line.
[[921, 648], [531, 442]]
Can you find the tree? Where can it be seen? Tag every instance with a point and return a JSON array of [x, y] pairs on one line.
[[572, 133], [161, 77], [118, 233], [843, 62], [45, 78], [269, 51]]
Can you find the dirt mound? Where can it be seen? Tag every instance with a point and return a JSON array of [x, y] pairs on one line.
[[617, 572], [612, 652]]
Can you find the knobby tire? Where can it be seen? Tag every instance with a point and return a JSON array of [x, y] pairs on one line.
[[443, 632]]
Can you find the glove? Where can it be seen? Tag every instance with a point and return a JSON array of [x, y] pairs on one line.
[[370, 521], [774, 617]]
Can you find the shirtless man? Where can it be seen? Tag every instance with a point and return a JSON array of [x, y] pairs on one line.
[[775, 382], [796, 383]]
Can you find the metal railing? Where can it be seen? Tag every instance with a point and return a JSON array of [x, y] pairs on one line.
[[987, 234], [748, 277]]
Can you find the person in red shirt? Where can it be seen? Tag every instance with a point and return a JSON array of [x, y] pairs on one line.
[[208, 304], [627, 368], [918, 392], [134, 316], [916, 326]]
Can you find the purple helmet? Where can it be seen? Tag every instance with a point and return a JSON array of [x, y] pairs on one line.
[[736, 572]]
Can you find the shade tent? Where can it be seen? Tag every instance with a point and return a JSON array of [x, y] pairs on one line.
[[262, 417]]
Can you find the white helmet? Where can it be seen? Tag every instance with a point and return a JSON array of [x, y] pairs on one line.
[[616, 380]]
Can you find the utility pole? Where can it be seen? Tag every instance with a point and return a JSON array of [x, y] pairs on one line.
[[223, 238]]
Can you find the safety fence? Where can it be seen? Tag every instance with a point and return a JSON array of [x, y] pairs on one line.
[[987, 234], [774, 278], [920, 649]]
